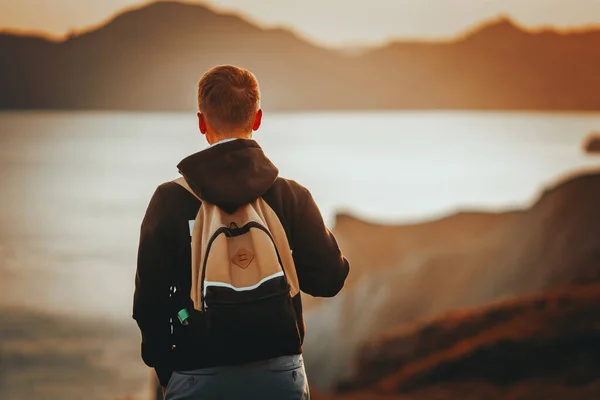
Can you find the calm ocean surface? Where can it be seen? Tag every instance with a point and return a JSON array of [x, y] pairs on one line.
[[75, 185]]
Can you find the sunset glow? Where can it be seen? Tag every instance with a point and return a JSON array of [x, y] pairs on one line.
[[332, 22]]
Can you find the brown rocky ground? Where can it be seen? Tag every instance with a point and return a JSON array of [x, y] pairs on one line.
[[409, 274], [538, 347]]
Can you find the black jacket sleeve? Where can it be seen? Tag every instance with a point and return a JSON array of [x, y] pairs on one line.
[[151, 303], [320, 265]]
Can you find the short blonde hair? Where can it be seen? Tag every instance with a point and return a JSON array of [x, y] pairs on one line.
[[229, 98]]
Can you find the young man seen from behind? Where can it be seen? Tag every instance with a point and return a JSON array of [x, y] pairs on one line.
[[223, 255]]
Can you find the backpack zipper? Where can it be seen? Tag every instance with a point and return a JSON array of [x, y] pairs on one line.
[[232, 232]]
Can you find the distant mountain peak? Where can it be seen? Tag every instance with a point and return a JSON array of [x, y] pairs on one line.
[[177, 5], [169, 9], [501, 27], [505, 23]]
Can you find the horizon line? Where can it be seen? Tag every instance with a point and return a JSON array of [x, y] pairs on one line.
[[341, 46]]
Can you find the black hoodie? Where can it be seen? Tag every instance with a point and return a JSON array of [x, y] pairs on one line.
[[229, 175]]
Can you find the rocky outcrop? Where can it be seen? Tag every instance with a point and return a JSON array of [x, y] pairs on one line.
[[407, 274]]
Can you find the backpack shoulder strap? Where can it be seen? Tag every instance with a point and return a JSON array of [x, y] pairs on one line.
[[176, 293], [183, 183]]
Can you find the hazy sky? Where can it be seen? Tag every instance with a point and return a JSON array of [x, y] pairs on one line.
[[330, 22]]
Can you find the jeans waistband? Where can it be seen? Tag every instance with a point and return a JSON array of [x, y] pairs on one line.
[[273, 363]]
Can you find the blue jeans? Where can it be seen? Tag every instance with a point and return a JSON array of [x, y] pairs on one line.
[[282, 378]]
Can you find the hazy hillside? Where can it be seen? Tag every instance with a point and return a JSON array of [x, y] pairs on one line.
[[54, 357], [151, 58], [551, 336], [404, 274], [498, 66], [537, 347]]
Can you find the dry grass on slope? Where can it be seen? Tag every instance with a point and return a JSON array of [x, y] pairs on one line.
[[551, 337]]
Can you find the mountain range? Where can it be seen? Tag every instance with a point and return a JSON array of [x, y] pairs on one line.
[[151, 58]]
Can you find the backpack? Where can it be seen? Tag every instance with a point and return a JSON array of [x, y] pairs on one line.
[[243, 280]]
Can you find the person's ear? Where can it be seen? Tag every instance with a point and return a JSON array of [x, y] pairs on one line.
[[257, 120], [201, 123]]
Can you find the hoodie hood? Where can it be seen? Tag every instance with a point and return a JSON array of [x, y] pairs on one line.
[[229, 174]]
